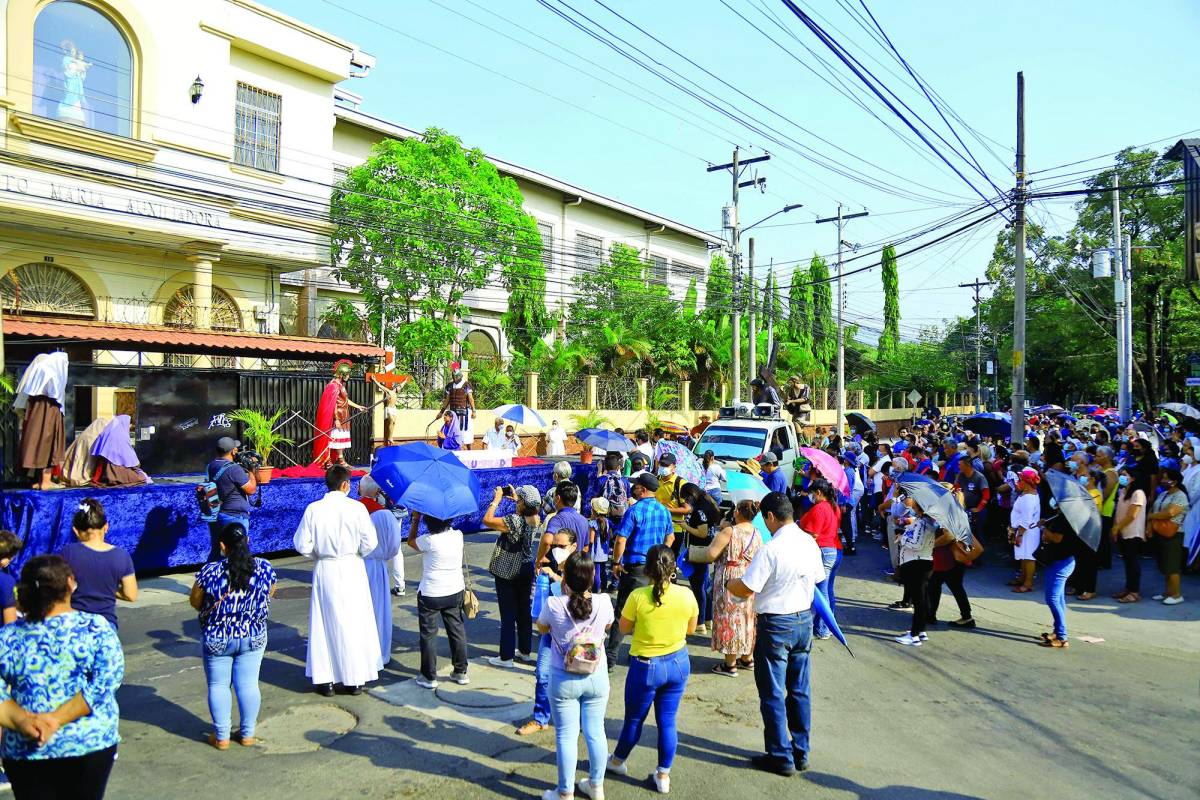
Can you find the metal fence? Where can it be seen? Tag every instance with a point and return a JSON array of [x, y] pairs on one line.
[[302, 393], [565, 393], [618, 391]]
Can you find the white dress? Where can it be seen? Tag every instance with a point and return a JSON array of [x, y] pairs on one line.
[[557, 440], [379, 562], [1027, 514], [343, 646]]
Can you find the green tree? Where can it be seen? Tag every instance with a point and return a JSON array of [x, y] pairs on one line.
[[718, 289], [772, 302], [427, 220], [824, 330], [690, 299], [800, 312], [889, 340]]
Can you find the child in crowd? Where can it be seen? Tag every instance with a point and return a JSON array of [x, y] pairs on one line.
[[103, 572], [10, 545], [600, 535]]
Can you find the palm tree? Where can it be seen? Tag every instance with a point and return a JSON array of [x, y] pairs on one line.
[[620, 347]]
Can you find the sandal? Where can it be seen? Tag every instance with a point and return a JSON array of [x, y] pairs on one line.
[[1048, 636], [530, 728], [1132, 597], [728, 672], [746, 663], [1085, 596], [1022, 589], [1121, 594], [220, 744], [1057, 643], [1014, 582]]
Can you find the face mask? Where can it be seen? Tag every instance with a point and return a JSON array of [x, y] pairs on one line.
[[1123, 480], [664, 472], [1053, 503], [1187, 460], [559, 554], [1083, 480]]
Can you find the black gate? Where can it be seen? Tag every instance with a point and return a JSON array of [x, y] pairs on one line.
[[270, 392]]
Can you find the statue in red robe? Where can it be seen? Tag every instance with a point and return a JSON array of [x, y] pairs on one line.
[[333, 418]]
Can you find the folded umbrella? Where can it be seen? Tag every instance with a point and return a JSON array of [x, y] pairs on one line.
[[861, 423], [829, 468], [1076, 506], [820, 607], [673, 428], [939, 503], [989, 423], [519, 415], [604, 439]]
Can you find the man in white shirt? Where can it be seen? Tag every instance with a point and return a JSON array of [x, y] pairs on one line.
[[782, 578], [495, 439]]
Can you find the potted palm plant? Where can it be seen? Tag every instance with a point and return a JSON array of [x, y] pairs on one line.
[[259, 430], [588, 419]]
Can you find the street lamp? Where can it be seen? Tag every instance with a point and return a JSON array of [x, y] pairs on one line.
[[784, 210]]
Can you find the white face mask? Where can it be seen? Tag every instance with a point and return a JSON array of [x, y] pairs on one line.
[[559, 554]]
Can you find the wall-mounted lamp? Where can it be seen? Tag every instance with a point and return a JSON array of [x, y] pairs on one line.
[[197, 90]]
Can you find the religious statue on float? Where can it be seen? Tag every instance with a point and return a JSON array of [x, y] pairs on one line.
[[333, 418]]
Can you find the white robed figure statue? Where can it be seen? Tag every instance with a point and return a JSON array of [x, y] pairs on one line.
[[379, 564], [342, 643]]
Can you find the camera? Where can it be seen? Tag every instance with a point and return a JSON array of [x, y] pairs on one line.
[[249, 460], [507, 491]]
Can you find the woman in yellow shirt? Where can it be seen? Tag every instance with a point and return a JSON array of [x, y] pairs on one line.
[[660, 617]]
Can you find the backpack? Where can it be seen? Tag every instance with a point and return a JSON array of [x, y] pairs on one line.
[[208, 498], [617, 496], [584, 649]]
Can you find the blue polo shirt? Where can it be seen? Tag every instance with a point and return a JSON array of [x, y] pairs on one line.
[[571, 520], [775, 481]]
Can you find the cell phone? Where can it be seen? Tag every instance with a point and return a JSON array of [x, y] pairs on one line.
[[507, 491]]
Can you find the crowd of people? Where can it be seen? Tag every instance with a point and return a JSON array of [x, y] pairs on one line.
[[649, 557]]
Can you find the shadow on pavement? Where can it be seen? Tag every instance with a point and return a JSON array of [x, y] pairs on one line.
[[891, 792]]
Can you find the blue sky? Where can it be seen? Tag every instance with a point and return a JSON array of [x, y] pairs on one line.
[[1100, 75]]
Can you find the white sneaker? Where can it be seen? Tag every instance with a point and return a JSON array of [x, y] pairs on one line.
[[521, 658], [909, 639], [503, 663], [701, 630], [552, 794], [1172, 601], [617, 769], [425, 683], [460, 678], [588, 789], [662, 782], [1159, 597], [923, 636]]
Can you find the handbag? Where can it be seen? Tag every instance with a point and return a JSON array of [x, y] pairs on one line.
[[470, 603], [966, 555], [1166, 528], [508, 556]]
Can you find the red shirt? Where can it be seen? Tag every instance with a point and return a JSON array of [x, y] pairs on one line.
[[943, 558], [824, 522]]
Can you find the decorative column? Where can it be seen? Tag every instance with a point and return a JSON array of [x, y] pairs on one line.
[[202, 268], [643, 392], [593, 393], [531, 390], [685, 396]]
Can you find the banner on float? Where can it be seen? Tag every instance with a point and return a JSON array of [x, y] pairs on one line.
[[485, 459]]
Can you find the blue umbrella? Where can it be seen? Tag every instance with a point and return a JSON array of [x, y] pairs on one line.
[[604, 439], [820, 607], [520, 415], [1067, 418], [991, 423], [426, 479]]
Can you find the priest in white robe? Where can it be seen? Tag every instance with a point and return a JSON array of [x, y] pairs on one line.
[[379, 561], [343, 646]]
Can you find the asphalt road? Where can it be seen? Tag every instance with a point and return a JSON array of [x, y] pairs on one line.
[[972, 714]]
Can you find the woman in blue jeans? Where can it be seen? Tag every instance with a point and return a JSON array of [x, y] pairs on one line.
[[1057, 555], [577, 623], [824, 522], [660, 616], [233, 596]]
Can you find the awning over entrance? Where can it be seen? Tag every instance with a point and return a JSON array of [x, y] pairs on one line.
[[164, 339]]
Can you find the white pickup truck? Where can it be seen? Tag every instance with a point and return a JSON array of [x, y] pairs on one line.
[[734, 439]]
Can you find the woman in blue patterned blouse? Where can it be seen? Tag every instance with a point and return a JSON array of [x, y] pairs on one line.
[[233, 596], [59, 673]]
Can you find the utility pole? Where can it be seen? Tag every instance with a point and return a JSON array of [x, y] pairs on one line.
[[1126, 408], [977, 285], [752, 371], [736, 168], [1018, 352], [769, 310], [840, 219], [1118, 252]]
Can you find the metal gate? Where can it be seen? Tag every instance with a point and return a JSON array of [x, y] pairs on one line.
[[269, 393]]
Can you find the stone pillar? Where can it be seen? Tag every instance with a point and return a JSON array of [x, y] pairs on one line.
[[724, 393], [307, 322], [593, 393], [643, 392], [685, 397], [861, 401], [531, 390], [202, 268], [876, 399]]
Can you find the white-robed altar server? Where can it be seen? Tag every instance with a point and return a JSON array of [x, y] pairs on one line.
[[342, 643], [379, 563]]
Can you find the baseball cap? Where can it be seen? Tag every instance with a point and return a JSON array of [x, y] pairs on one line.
[[769, 458], [529, 495], [666, 458], [227, 444], [646, 481], [1031, 476]]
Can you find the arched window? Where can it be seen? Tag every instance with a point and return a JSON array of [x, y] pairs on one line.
[[181, 311], [82, 68], [46, 289]]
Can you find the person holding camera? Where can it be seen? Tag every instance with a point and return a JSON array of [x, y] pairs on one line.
[[235, 484]]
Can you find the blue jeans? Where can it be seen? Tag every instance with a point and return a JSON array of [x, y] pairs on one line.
[[657, 681], [541, 674], [1056, 585], [575, 698], [215, 528], [831, 558], [239, 666], [781, 675], [715, 494]]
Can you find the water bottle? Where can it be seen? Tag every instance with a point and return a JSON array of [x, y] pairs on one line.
[[541, 590]]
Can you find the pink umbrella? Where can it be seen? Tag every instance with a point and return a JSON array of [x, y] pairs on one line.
[[829, 468]]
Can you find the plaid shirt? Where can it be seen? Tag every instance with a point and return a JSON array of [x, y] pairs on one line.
[[645, 524]]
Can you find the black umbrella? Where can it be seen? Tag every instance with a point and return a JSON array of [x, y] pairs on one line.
[[1180, 410], [861, 423], [1077, 507], [938, 502]]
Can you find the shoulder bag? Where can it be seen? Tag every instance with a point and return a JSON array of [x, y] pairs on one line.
[[470, 603], [1166, 528], [509, 554]]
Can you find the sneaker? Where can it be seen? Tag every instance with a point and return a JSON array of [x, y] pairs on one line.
[[425, 683], [588, 789], [617, 769], [923, 636], [701, 630], [523, 658], [662, 781], [1160, 597], [503, 663], [552, 794], [397, 591], [965, 622], [909, 639], [460, 678], [1172, 601], [824, 635], [768, 764]]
